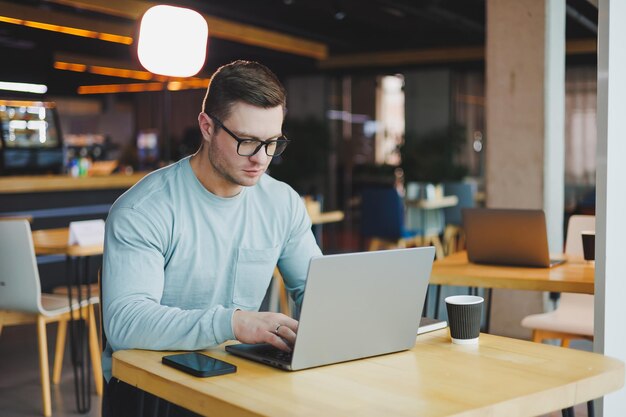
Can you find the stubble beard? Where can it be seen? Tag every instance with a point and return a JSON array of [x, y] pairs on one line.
[[220, 170]]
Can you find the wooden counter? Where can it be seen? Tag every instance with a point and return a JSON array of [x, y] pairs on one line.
[[52, 183]]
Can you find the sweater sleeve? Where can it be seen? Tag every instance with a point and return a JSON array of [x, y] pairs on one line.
[[300, 246], [132, 284]]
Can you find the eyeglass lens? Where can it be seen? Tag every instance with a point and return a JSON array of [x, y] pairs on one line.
[[250, 147]]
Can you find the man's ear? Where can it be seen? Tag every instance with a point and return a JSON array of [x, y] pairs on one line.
[[206, 125]]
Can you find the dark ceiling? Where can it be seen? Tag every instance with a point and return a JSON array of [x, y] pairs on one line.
[[344, 26]]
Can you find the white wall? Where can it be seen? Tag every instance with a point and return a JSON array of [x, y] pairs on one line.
[[610, 284]]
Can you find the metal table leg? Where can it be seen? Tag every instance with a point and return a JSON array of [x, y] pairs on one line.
[[77, 269]]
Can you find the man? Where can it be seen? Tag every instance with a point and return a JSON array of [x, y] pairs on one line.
[[190, 249]]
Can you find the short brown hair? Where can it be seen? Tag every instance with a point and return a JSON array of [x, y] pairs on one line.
[[246, 81]]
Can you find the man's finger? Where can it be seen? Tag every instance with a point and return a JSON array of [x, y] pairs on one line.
[[287, 322], [287, 334], [278, 342], [292, 324]]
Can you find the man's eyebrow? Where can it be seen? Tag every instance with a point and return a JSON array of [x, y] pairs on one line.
[[251, 136]]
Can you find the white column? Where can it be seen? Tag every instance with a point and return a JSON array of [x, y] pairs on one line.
[[525, 100], [554, 123], [610, 284]]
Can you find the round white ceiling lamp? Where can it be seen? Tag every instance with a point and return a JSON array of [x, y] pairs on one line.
[[172, 41]]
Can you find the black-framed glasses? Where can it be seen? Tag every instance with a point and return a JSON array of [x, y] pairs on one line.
[[249, 147]]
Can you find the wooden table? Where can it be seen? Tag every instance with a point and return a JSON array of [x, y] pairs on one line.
[[500, 376], [319, 218], [326, 217], [572, 276], [434, 203], [55, 241], [575, 276]]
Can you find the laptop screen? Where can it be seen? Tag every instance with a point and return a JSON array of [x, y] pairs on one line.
[[506, 237]]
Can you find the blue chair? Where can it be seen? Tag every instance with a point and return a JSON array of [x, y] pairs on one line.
[[382, 219], [453, 236]]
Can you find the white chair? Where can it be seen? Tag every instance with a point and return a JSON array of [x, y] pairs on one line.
[[21, 302], [573, 318]]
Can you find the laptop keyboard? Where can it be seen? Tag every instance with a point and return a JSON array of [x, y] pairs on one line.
[[274, 353]]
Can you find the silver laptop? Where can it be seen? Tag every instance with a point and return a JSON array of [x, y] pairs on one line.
[[355, 305], [507, 237]]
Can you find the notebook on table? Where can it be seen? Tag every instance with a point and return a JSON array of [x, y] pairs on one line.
[[428, 324], [355, 305], [507, 237]]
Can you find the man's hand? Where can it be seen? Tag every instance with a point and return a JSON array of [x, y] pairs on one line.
[[276, 329]]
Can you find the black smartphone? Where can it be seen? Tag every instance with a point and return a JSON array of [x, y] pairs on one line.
[[197, 364]]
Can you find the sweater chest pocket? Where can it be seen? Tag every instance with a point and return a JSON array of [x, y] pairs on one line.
[[252, 276]]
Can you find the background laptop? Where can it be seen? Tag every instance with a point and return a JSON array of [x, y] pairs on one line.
[[355, 305], [507, 237]]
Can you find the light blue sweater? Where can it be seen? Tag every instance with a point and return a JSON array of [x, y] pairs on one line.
[[179, 260]]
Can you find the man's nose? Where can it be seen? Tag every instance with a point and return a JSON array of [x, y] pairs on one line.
[[260, 157]]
